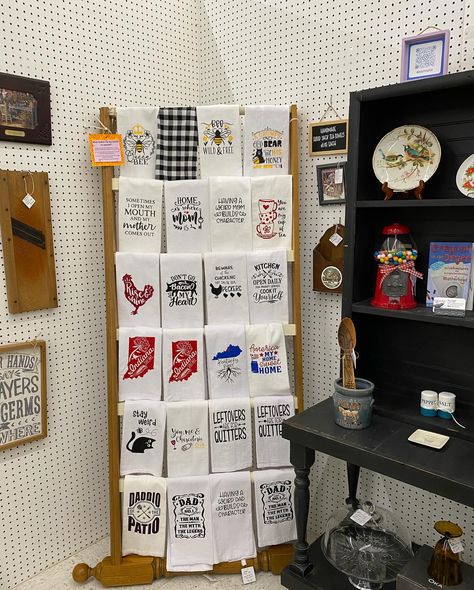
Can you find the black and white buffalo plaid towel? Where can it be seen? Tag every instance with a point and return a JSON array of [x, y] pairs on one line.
[[177, 144]]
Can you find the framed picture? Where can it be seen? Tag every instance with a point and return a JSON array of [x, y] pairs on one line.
[[425, 56], [328, 138], [25, 110], [22, 393], [331, 183]]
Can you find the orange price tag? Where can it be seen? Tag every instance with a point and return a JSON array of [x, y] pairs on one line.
[[106, 149]]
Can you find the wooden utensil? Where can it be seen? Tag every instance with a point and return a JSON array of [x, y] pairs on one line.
[[346, 336]]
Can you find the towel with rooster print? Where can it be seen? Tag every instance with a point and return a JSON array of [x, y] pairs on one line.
[[181, 291], [230, 434], [226, 361], [225, 285], [138, 289], [184, 365], [139, 363]]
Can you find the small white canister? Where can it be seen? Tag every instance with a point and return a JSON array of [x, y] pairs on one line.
[[428, 403], [446, 404]]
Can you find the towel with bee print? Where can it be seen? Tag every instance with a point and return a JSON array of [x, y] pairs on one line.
[[177, 144], [143, 437], [138, 128], [225, 286], [219, 140]]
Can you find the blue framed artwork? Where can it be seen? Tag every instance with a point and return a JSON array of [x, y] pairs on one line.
[[425, 56]]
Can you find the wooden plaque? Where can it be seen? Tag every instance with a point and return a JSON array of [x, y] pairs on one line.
[[27, 242]]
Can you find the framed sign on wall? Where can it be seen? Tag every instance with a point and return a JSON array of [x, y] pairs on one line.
[[328, 138], [22, 393]]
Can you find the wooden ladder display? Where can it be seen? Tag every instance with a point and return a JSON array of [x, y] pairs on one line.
[[130, 570]]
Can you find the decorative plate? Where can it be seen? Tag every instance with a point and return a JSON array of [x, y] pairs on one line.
[[465, 177], [405, 156]]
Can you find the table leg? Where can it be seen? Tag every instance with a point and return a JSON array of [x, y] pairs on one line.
[[302, 459], [353, 472]]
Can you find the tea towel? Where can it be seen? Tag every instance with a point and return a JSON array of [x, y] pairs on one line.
[[144, 515], [266, 360], [230, 432], [266, 140], [272, 212], [231, 505], [225, 286], [138, 128], [184, 366], [143, 437], [140, 354], [187, 436], [269, 412], [182, 303], [177, 143], [138, 289], [267, 273], [187, 216], [226, 361], [230, 214], [219, 140], [274, 506], [140, 204]]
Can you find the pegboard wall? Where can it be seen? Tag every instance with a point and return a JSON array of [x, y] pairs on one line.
[[283, 51], [54, 492]]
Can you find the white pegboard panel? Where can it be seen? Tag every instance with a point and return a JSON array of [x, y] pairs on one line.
[[283, 51], [54, 492]]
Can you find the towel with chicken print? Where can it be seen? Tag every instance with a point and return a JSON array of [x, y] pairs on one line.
[[226, 288], [138, 289], [181, 291], [184, 366]]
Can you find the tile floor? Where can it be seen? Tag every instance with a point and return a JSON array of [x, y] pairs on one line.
[[59, 577]]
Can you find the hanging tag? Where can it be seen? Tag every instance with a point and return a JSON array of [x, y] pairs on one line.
[[456, 545], [338, 176], [106, 149], [361, 517], [354, 358], [29, 200], [336, 239], [248, 575]]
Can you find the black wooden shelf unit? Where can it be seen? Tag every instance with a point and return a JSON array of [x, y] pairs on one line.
[[401, 351]]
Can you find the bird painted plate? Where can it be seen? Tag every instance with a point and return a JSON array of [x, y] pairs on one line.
[[405, 156], [465, 177]]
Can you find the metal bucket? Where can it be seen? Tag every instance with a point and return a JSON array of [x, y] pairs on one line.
[[353, 407]]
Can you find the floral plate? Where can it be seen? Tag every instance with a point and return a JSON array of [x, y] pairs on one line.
[[465, 177], [405, 156]]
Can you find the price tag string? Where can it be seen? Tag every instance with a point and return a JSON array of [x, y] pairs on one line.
[[26, 184]]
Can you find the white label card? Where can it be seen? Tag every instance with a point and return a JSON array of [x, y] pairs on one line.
[[338, 176], [361, 517], [29, 200], [456, 545], [335, 239], [248, 575]]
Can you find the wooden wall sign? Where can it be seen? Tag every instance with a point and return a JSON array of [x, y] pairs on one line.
[[327, 138], [27, 241], [22, 393]]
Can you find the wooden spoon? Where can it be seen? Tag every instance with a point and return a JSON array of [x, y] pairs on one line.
[[346, 336]]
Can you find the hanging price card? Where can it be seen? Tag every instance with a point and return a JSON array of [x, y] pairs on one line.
[[106, 149]]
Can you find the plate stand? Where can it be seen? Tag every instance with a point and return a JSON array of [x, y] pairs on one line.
[[416, 192]]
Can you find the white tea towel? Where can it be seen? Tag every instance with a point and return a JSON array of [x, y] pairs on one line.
[[138, 127], [267, 273], [266, 358], [184, 367], [230, 214], [140, 354], [231, 504], [143, 437], [182, 303], [230, 433], [226, 361], [274, 506], [266, 140], [144, 515], [140, 204], [272, 212], [271, 448], [190, 524], [187, 438], [187, 216], [219, 140], [138, 289], [225, 286]]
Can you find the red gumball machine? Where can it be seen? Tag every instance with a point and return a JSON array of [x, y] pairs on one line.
[[396, 273]]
